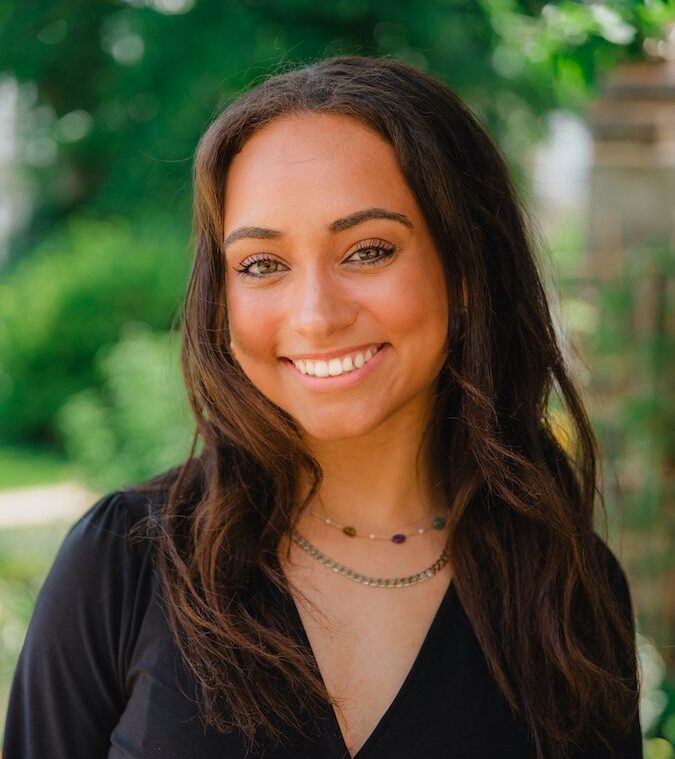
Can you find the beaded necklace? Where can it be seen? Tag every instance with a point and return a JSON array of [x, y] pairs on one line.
[[438, 523]]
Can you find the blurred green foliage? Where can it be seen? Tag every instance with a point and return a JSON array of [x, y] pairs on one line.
[[630, 336], [69, 299], [21, 466], [136, 423], [115, 94], [623, 320]]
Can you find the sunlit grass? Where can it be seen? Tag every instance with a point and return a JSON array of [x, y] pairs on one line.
[[22, 467]]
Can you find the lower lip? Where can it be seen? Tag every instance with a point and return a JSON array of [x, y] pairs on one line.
[[342, 381]]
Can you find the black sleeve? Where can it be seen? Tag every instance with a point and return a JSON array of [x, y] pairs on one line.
[[631, 746], [68, 689]]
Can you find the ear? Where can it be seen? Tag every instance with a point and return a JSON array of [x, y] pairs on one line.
[[233, 351]]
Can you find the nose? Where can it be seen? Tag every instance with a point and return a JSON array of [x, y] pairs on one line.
[[321, 306]]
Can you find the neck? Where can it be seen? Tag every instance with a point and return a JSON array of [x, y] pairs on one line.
[[380, 480]]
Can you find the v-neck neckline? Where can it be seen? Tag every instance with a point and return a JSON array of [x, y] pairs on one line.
[[337, 739]]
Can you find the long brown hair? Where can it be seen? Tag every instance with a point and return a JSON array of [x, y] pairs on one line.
[[528, 568]]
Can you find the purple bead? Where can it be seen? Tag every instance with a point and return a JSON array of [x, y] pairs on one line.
[[398, 538]]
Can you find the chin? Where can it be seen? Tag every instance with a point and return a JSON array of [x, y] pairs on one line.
[[333, 436], [333, 428]]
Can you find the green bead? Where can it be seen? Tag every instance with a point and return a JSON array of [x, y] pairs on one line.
[[438, 523], [351, 531]]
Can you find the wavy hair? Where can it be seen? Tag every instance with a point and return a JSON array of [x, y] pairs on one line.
[[528, 569]]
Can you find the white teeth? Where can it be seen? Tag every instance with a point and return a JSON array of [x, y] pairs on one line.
[[336, 366], [320, 368]]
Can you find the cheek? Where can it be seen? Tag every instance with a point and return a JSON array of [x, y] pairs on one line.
[[252, 323], [417, 304]]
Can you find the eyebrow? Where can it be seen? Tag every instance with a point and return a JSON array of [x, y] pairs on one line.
[[339, 225], [253, 233]]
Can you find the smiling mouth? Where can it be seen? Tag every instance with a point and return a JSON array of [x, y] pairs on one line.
[[335, 367]]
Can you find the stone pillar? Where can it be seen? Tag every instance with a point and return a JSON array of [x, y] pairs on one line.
[[632, 198], [631, 258]]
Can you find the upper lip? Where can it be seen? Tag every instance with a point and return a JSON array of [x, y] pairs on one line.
[[332, 354]]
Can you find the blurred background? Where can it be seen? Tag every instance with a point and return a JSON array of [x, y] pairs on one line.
[[101, 107]]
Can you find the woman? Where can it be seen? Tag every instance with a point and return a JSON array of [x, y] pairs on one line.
[[381, 549]]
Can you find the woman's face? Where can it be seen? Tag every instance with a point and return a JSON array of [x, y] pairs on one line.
[[336, 295]]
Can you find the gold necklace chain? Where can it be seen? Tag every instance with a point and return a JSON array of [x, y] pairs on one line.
[[374, 582]]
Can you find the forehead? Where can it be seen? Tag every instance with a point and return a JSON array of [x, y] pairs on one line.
[[310, 162]]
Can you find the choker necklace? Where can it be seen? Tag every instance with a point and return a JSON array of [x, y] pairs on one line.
[[438, 523], [375, 582]]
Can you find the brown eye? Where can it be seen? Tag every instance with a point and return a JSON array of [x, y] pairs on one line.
[[372, 252], [259, 267], [266, 267], [369, 254]]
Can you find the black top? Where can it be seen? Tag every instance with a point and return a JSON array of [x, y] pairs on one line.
[[99, 675]]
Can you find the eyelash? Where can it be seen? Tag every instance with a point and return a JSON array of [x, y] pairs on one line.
[[385, 249]]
